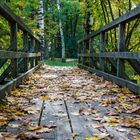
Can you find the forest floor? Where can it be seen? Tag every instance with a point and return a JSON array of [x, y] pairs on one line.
[[73, 104]]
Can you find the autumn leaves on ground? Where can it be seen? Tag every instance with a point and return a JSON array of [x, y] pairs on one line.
[[97, 107]]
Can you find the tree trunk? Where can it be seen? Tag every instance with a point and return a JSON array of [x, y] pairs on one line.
[[52, 49], [41, 24], [61, 32]]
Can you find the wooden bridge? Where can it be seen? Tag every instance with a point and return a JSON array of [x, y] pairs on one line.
[[78, 105]]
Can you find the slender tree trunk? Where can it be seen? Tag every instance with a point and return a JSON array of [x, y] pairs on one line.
[[75, 24], [61, 32], [41, 24], [52, 49]]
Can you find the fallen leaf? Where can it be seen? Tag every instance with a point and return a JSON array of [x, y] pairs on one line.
[[43, 129], [97, 126], [93, 138], [3, 121], [32, 110], [45, 98], [74, 134]]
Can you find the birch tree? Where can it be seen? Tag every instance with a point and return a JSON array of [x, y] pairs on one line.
[[41, 24], [61, 32]]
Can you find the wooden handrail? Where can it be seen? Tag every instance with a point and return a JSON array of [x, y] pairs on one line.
[[23, 61], [111, 65]]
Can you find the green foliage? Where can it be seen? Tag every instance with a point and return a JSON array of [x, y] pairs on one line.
[[60, 63], [27, 11]]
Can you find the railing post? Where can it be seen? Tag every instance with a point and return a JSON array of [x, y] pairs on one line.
[[36, 51], [78, 53], [102, 49], [14, 29], [83, 52], [25, 47], [91, 50], [40, 50], [32, 51], [121, 48]]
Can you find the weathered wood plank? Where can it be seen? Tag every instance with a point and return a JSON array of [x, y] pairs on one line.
[[102, 49], [121, 47], [80, 124], [55, 113], [26, 48], [91, 60], [36, 50], [122, 55], [111, 130], [11, 54], [122, 82], [13, 41], [32, 48], [135, 13]]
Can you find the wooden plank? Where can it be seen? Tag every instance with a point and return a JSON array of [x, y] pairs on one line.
[[55, 112], [36, 50], [15, 82], [32, 47], [121, 55], [103, 113], [7, 13], [91, 60], [121, 82], [129, 16], [80, 124], [11, 54]]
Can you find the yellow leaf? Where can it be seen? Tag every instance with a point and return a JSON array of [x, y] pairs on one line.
[[74, 134], [45, 98], [43, 130], [93, 138], [32, 110], [18, 113], [125, 90], [138, 138], [3, 121], [9, 138], [33, 128]]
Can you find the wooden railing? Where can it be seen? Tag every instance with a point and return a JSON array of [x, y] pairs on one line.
[[19, 63], [95, 56]]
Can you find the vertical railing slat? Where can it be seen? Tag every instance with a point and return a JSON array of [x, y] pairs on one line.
[[121, 47], [25, 47], [102, 49], [13, 40]]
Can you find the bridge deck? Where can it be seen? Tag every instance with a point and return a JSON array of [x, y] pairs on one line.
[[80, 106]]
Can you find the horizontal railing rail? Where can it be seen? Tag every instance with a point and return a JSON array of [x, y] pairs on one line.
[[15, 62], [122, 55], [111, 61]]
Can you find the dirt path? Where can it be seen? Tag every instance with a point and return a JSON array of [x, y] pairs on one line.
[[77, 105]]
